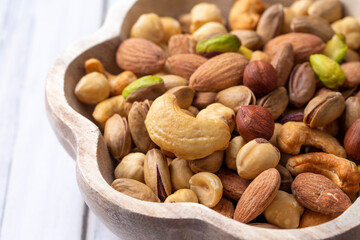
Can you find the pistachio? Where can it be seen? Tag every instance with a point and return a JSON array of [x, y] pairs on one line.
[[324, 109], [249, 38], [119, 82], [134, 189], [255, 157], [211, 163], [216, 45], [352, 111], [313, 25], [171, 81], [184, 95], [289, 15], [137, 126], [276, 101], [302, 85], [182, 195], [331, 10], [92, 88], [117, 136], [148, 87], [235, 97], [336, 48], [270, 22], [131, 166], [283, 62], [246, 52], [180, 174], [328, 71], [156, 173], [231, 152]]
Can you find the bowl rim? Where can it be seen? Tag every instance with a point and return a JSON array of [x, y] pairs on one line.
[[81, 138]]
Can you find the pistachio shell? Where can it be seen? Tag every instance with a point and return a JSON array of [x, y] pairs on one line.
[[140, 83], [148, 87], [328, 71], [217, 45]]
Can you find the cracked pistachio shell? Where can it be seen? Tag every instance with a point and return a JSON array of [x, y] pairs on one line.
[[134, 189], [276, 101], [148, 87], [136, 118], [235, 97], [117, 136], [324, 109], [328, 71], [217, 45], [157, 174], [336, 48]]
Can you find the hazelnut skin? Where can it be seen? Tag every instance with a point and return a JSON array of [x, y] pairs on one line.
[[352, 141]]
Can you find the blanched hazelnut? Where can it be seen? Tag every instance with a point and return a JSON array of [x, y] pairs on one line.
[[300, 8], [148, 26], [182, 195], [211, 163], [171, 27], [284, 211], [203, 13], [209, 29], [255, 157], [131, 166], [231, 152], [180, 174], [208, 188]]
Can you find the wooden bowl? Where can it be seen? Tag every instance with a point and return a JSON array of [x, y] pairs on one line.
[[124, 216]]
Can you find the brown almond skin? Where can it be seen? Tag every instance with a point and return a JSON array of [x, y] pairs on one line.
[[233, 185], [140, 56], [260, 76], [303, 44], [352, 72], [273, 15], [352, 141], [319, 194], [254, 122], [220, 72], [313, 25], [181, 43], [184, 65], [203, 99], [225, 207], [258, 196]]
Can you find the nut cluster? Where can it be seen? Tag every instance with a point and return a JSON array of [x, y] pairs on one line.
[[264, 119]]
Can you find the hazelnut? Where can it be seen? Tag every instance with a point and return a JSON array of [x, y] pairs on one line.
[[352, 141], [170, 27], [260, 76], [148, 26], [203, 13], [254, 122]]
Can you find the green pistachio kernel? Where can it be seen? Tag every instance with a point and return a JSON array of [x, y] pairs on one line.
[[245, 52], [328, 71], [140, 83], [218, 44], [336, 48], [359, 167]]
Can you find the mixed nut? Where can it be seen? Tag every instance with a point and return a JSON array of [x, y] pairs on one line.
[[261, 124]]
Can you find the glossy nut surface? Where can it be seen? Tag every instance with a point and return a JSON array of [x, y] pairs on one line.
[[231, 152], [180, 174], [182, 195], [92, 88], [208, 188], [131, 166]]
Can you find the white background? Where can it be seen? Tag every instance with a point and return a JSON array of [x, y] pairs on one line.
[[39, 197]]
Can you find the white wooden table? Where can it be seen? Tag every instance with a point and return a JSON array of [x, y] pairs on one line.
[[39, 197]]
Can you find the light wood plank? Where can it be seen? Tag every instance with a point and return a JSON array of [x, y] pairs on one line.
[[42, 197]]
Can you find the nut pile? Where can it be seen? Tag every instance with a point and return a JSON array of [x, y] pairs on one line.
[[261, 124]]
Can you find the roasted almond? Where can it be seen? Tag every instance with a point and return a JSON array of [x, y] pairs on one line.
[[181, 43], [140, 56], [319, 194], [258, 196], [225, 207], [185, 65], [303, 44], [233, 185], [220, 72]]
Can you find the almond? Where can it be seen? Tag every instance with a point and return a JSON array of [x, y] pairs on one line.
[[181, 43], [220, 72], [185, 65], [233, 185], [225, 207], [319, 194], [140, 56], [258, 196], [303, 44]]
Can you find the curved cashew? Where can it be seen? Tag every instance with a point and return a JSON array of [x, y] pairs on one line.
[[187, 137]]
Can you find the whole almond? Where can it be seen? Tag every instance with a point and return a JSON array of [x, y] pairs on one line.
[[313, 25], [185, 65], [258, 196], [319, 194], [220, 72], [233, 185], [225, 207], [181, 43], [271, 22], [303, 44], [140, 56]]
